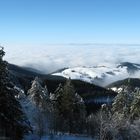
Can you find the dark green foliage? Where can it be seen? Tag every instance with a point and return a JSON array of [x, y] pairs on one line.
[[89, 92], [12, 119], [69, 109]]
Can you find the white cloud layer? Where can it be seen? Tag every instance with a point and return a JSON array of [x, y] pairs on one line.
[[48, 58]]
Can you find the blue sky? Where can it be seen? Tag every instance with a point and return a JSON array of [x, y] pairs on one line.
[[69, 21]]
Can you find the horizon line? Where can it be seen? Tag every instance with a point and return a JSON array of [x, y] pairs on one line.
[[89, 44]]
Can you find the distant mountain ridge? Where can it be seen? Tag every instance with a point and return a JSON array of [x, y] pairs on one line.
[[133, 82], [130, 84], [131, 67], [101, 75]]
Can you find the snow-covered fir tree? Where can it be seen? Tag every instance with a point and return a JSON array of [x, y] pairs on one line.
[[38, 107], [38, 94], [135, 106], [123, 120], [122, 102]]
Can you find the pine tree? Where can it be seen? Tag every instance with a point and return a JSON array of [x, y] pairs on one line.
[[70, 109], [12, 119]]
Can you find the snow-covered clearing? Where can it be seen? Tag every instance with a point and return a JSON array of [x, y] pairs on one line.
[[57, 137]]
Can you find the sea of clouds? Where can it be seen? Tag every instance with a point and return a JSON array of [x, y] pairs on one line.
[[51, 57]]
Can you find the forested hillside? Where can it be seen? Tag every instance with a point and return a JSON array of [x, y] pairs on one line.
[[37, 106]]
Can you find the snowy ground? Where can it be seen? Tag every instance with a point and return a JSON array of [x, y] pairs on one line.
[[65, 137], [99, 75]]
